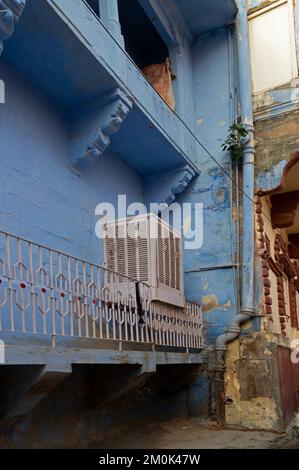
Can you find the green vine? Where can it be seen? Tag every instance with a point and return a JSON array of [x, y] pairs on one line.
[[233, 144]]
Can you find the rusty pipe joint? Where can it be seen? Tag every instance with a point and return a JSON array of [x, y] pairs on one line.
[[233, 330]]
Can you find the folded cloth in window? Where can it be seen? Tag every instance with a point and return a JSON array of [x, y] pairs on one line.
[[160, 77]]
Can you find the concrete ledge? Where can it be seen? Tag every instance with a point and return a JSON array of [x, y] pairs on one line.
[[23, 350]]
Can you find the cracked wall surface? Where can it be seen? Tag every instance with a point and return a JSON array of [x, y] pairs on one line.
[[252, 392]]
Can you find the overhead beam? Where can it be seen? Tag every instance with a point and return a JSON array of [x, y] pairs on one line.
[[88, 351], [99, 384], [166, 20]]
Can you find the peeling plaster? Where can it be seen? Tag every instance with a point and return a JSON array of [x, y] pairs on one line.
[[253, 356], [276, 140], [254, 5], [210, 302], [263, 100], [268, 180], [234, 215]]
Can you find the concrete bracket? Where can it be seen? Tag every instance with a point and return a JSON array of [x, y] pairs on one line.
[[10, 13], [91, 132], [164, 187]]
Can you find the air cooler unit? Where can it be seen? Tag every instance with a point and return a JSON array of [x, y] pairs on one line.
[[146, 249]]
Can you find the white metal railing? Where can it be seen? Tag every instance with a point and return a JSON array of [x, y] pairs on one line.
[[44, 291]]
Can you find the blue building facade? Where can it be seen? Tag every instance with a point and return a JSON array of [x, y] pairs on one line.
[[82, 90], [80, 125]]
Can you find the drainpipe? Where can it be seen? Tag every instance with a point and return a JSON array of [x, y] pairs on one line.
[[247, 289]]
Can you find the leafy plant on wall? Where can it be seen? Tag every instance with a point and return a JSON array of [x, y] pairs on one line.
[[233, 143]]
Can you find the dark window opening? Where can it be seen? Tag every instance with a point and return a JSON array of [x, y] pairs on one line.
[[94, 5], [142, 41], [146, 48]]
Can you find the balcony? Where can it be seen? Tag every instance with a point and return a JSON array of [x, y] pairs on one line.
[[55, 307], [63, 49], [61, 317]]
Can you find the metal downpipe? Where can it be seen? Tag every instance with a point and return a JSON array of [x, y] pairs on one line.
[[246, 110], [247, 303]]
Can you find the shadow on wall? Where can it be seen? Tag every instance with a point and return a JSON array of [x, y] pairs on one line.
[[72, 416]]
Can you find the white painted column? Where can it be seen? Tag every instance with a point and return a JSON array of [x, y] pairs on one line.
[[110, 18]]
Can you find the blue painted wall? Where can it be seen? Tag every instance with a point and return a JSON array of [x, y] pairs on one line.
[[213, 93], [44, 200], [41, 197]]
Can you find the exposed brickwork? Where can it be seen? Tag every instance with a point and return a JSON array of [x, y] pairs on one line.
[[263, 244], [293, 304], [282, 266], [294, 246]]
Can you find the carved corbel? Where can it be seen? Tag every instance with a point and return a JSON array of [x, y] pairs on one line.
[[164, 187], [10, 13], [91, 132]]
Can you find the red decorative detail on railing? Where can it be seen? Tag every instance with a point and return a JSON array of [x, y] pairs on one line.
[[67, 296]]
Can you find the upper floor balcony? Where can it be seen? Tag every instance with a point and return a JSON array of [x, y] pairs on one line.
[[71, 51], [59, 310], [63, 318]]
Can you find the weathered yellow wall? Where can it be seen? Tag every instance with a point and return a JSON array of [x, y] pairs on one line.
[[252, 389], [252, 383]]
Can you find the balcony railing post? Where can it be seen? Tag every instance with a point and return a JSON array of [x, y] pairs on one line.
[[110, 18], [72, 297]]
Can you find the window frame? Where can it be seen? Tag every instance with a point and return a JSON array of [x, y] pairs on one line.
[[293, 51]]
